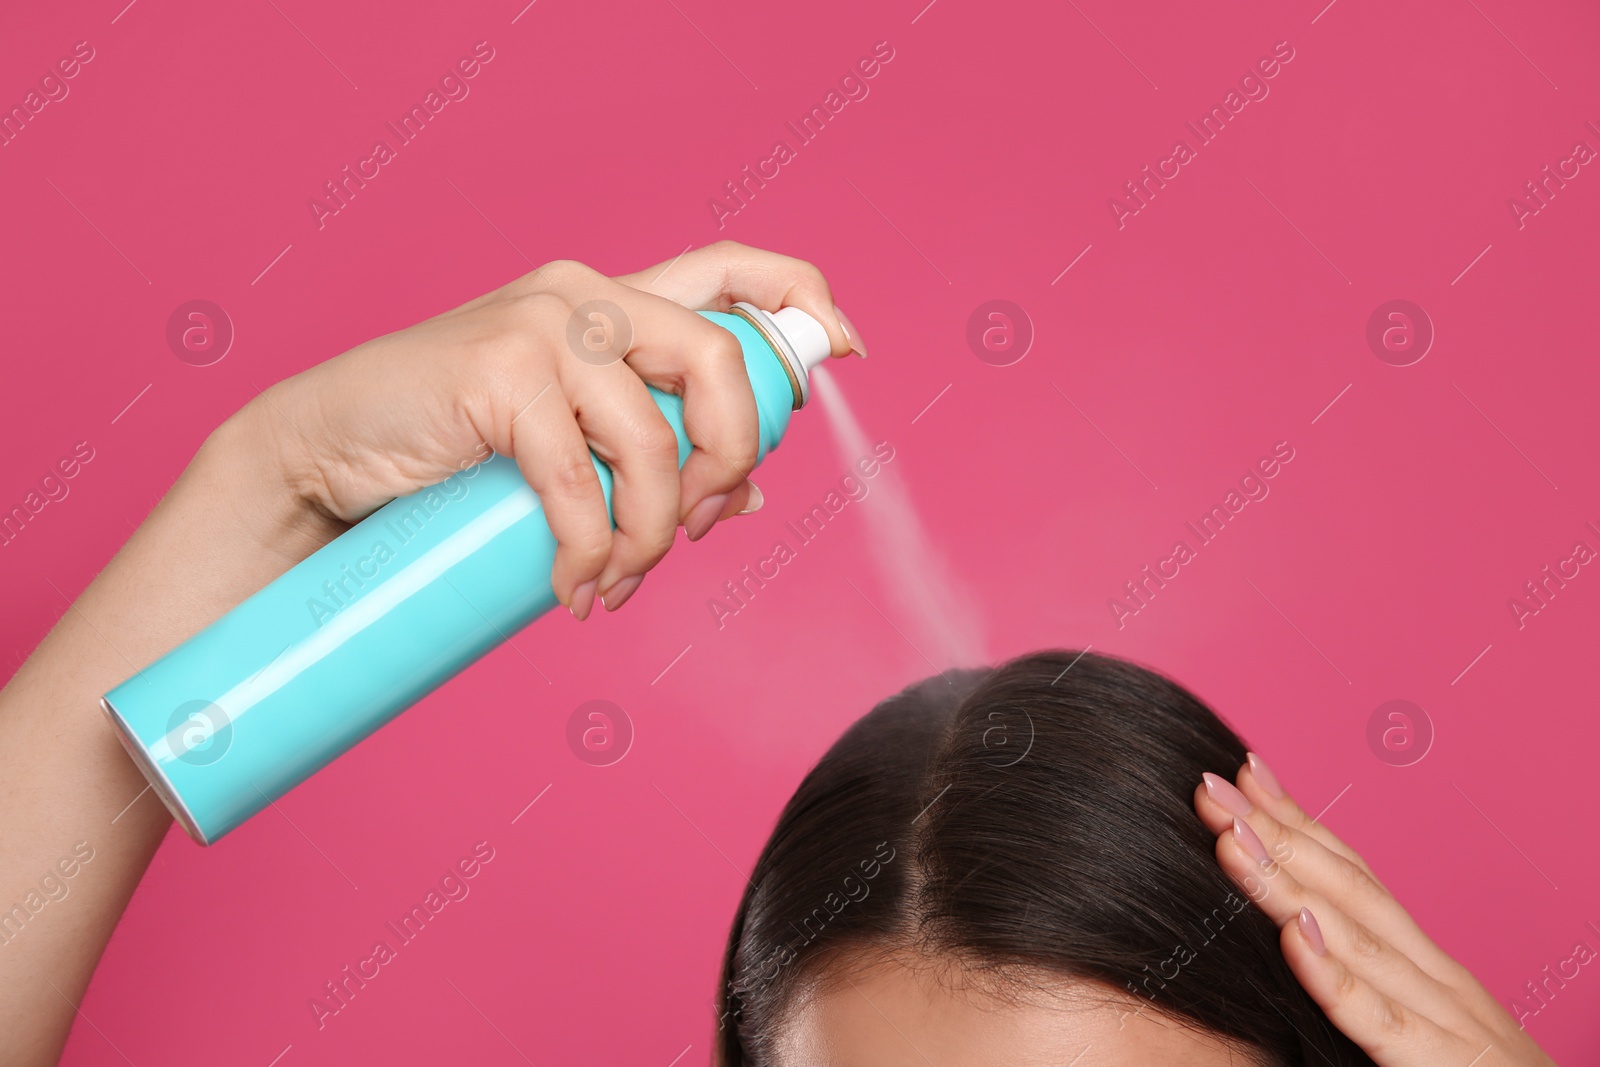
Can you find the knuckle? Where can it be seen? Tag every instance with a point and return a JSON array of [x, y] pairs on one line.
[[1271, 881], [722, 349], [573, 475], [585, 559], [1295, 816], [1364, 943], [742, 454], [1346, 984], [654, 542], [1394, 1021], [810, 272], [591, 548], [737, 442], [563, 273], [654, 439], [1358, 882], [1365, 868], [1280, 844], [557, 269], [1291, 889], [1455, 977]]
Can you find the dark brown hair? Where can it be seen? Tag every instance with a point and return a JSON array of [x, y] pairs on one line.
[[1036, 817]]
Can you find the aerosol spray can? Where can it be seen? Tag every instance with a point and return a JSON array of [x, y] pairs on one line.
[[374, 621]]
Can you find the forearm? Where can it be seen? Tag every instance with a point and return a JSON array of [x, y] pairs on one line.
[[326, 448], [228, 526]]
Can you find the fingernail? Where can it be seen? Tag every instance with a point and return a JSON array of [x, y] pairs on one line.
[[1223, 792], [857, 345], [620, 591], [755, 501], [582, 600], [704, 515], [1312, 932], [1252, 844], [1263, 775]]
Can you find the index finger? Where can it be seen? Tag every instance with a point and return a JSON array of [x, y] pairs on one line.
[[719, 275], [1314, 867], [1260, 785]]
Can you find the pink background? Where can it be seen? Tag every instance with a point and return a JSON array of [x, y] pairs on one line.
[[1224, 317]]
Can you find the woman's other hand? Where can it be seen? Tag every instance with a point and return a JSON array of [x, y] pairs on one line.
[[1351, 944]]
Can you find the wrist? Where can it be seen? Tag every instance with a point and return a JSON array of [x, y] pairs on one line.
[[256, 478]]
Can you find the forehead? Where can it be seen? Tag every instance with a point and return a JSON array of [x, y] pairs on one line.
[[904, 1015]]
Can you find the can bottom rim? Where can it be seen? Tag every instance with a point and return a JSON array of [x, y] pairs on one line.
[[153, 774]]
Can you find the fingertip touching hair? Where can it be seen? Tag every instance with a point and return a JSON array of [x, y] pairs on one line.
[[1035, 817]]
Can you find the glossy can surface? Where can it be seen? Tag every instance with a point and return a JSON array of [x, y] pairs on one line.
[[363, 628]]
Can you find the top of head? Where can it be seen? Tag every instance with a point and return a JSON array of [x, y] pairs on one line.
[[801, 340]]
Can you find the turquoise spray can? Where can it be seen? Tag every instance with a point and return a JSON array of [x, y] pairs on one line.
[[383, 615]]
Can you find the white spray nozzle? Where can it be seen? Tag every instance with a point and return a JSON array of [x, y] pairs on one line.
[[799, 339], [806, 334]]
